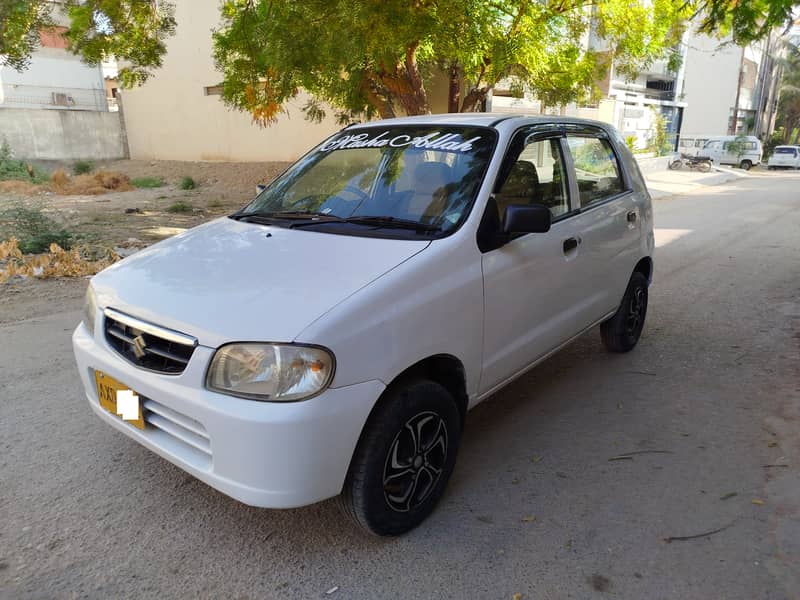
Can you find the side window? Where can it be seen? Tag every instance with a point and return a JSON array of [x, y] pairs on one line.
[[596, 169], [537, 177]]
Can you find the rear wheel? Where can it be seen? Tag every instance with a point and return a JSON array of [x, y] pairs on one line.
[[704, 166], [621, 332], [404, 458], [746, 165]]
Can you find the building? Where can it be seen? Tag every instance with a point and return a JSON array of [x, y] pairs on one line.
[[179, 114], [57, 107], [721, 77], [55, 80]]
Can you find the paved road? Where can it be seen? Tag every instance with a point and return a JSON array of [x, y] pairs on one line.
[[707, 401]]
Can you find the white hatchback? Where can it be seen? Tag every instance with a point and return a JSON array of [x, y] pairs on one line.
[[328, 338], [784, 157]]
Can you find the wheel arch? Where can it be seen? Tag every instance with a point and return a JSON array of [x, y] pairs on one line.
[[645, 267], [444, 369]]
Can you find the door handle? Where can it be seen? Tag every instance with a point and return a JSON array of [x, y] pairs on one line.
[[632, 217], [570, 244]]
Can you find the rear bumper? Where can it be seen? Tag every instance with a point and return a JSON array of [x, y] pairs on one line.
[[272, 455]]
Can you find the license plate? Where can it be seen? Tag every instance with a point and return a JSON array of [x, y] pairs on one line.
[[108, 392]]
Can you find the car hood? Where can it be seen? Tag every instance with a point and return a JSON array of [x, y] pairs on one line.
[[232, 281]]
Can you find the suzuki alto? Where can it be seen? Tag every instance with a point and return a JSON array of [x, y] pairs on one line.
[[329, 338]]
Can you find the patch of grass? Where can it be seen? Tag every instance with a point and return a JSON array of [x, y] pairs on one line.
[[215, 203], [18, 170], [34, 229], [82, 167], [180, 207], [147, 182], [187, 183]]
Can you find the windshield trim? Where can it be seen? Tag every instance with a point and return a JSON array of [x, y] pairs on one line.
[[391, 233]]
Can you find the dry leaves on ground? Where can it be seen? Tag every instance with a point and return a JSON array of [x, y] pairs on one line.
[[77, 262]]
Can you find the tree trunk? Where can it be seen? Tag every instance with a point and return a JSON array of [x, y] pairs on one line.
[[454, 90], [475, 96], [417, 101]]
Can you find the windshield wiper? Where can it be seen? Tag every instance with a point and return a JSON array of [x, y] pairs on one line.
[[271, 217], [376, 221]]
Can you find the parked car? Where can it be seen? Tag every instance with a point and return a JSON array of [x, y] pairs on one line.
[[743, 151], [328, 338], [784, 157]]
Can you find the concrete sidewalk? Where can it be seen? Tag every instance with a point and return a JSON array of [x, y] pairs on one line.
[[666, 183]]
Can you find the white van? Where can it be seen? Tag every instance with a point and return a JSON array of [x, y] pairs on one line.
[[329, 337], [725, 150]]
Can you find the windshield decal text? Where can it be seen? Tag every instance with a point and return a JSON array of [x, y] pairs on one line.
[[432, 141]]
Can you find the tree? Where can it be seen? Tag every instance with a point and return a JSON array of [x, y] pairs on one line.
[[376, 57], [133, 31], [789, 101], [20, 23], [745, 20]]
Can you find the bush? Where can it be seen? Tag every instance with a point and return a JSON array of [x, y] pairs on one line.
[[34, 229], [82, 167], [187, 183], [180, 207], [11, 169], [147, 182]]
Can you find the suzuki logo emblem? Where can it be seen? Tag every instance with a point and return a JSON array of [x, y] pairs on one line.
[[139, 346]]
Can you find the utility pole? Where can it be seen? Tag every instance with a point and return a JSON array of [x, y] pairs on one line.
[[734, 123]]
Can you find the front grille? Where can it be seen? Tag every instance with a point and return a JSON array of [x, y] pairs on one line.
[[146, 345]]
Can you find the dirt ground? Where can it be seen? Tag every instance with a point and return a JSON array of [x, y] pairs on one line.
[[221, 189]]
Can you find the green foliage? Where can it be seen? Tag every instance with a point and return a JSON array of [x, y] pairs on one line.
[[789, 101], [187, 183], [180, 207], [134, 31], [630, 142], [82, 167], [18, 170], [745, 20], [737, 146], [20, 22], [659, 141], [34, 229], [383, 54], [147, 182]]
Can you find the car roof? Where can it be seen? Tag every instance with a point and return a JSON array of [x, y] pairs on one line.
[[494, 120]]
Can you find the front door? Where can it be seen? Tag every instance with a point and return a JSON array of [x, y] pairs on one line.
[[532, 283]]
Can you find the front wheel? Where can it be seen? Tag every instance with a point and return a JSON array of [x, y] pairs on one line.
[[404, 458], [621, 332]]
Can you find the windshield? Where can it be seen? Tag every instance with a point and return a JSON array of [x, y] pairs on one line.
[[382, 180]]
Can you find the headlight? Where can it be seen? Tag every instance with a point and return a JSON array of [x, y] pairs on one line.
[[90, 309], [270, 372]]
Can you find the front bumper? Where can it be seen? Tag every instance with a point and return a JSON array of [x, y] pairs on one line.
[[272, 455]]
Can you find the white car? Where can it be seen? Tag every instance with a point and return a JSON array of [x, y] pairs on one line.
[[784, 157], [329, 338]]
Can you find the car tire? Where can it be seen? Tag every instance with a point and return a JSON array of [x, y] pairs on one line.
[[621, 332], [410, 440], [746, 165]]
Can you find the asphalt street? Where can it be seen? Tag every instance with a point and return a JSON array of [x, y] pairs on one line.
[[672, 472]]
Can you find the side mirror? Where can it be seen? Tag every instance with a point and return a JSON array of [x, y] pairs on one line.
[[526, 218]]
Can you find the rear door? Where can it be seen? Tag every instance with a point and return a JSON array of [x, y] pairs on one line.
[[608, 222]]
